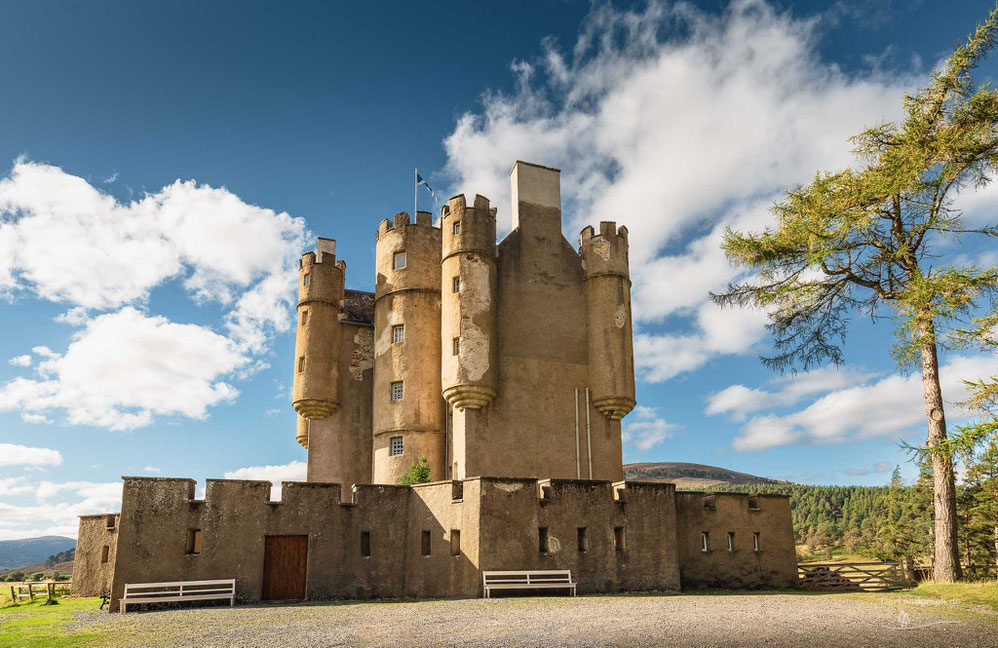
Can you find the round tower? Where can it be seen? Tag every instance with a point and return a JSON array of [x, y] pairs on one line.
[[468, 343], [608, 315], [301, 434], [315, 394], [408, 409]]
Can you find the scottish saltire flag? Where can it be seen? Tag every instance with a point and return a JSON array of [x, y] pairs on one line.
[[420, 181]]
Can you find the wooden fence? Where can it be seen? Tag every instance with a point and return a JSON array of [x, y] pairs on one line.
[[870, 576]]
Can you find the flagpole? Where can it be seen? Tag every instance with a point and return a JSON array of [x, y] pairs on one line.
[[415, 193]]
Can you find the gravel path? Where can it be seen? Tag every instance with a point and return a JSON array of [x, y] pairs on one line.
[[687, 620]]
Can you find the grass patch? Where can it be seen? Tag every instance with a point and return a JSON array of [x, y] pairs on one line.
[[983, 594], [37, 624]]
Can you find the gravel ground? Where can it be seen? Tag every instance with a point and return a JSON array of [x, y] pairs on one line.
[[687, 620]]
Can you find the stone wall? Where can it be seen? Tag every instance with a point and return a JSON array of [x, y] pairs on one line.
[[774, 564], [95, 554]]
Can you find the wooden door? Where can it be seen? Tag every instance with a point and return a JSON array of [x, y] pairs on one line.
[[284, 565]]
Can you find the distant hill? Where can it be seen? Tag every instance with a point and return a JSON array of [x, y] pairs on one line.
[[30, 551], [691, 476]]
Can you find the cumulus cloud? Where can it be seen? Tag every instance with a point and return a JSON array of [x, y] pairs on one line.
[[12, 454], [56, 507], [20, 361], [126, 366], [645, 428], [152, 469], [888, 407], [877, 468], [678, 123], [294, 471]]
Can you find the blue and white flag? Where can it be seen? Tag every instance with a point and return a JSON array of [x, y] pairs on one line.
[[420, 181]]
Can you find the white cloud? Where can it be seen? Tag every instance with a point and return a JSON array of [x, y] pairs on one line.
[[676, 123], [20, 361], [879, 467], [737, 401], [67, 241], [888, 407], [57, 508], [126, 366], [152, 469], [12, 454], [294, 471], [644, 428]]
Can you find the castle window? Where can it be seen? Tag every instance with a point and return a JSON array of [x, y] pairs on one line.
[[457, 227], [109, 522], [307, 279], [583, 542], [395, 447], [399, 260], [710, 501], [301, 364], [365, 544], [705, 542], [425, 544], [542, 539], [455, 542], [398, 333], [304, 317], [193, 542], [618, 538], [753, 503], [104, 554], [755, 541], [456, 284], [457, 346], [397, 390], [731, 540]]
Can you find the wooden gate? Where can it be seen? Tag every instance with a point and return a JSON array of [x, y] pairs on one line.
[[855, 576], [284, 566]]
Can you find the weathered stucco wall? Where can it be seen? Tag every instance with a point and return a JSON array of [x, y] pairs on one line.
[[95, 554], [773, 565]]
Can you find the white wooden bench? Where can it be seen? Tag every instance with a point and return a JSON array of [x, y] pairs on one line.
[[178, 591], [530, 579]]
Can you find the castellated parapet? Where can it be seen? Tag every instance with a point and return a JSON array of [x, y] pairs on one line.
[[408, 406], [608, 318], [469, 340]]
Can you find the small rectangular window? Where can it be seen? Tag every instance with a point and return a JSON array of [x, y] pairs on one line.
[[755, 541], [193, 541], [109, 522], [583, 543], [457, 227], [307, 279], [304, 317], [710, 501], [301, 364], [105, 552], [395, 447], [542, 539], [457, 346], [618, 538], [455, 542], [398, 333], [398, 261], [397, 390], [731, 540], [753, 503], [425, 544], [365, 544], [705, 541], [455, 284]]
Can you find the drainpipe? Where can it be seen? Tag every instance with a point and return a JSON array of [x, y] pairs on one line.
[[589, 435], [578, 458]]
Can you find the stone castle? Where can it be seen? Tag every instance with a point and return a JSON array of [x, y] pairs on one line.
[[508, 368]]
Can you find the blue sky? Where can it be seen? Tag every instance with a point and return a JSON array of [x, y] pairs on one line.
[[165, 165]]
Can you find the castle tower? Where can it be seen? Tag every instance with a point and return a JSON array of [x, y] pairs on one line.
[[315, 393], [608, 316], [408, 410], [468, 338]]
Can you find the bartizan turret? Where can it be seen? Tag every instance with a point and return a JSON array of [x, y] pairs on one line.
[[608, 314], [408, 409], [315, 394], [468, 339]]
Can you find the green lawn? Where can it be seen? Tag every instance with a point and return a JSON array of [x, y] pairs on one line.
[[37, 625], [976, 594]]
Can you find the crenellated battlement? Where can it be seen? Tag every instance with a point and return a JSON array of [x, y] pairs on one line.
[[402, 220]]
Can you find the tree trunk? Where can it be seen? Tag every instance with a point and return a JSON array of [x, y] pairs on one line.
[[996, 549], [947, 560]]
